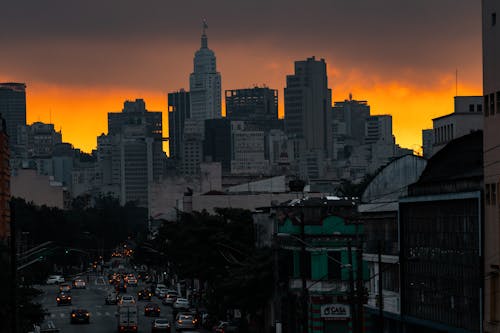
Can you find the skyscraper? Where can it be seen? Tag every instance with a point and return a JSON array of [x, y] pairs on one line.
[[205, 84], [178, 111], [252, 104], [4, 182], [491, 156], [308, 106], [131, 155], [13, 108]]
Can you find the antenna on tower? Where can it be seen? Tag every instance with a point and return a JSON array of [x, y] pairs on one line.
[[456, 82]]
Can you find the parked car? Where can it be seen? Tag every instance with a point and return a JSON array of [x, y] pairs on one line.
[[170, 297], [79, 284], [80, 316], [63, 298], [160, 325], [181, 304], [184, 321], [152, 309], [111, 298], [54, 279], [144, 294], [225, 327]]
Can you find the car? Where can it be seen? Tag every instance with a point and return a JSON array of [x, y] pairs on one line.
[[63, 298], [170, 297], [127, 299], [111, 298], [152, 309], [160, 325], [54, 279], [184, 321], [79, 284], [80, 316], [65, 287], [159, 288], [181, 303], [144, 294], [225, 327], [132, 281]]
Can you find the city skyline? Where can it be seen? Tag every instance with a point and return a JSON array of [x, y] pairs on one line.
[[88, 64]]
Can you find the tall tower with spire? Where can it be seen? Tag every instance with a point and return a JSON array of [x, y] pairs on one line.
[[205, 84]]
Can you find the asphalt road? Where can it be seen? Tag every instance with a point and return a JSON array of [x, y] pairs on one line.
[[102, 317]]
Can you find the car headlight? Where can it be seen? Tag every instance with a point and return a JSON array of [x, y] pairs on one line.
[[73, 315]]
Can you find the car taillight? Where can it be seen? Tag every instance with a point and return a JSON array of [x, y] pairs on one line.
[[73, 315], [58, 299], [69, 297], [179, 321]]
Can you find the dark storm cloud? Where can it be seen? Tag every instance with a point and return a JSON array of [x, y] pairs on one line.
[[68, 37]]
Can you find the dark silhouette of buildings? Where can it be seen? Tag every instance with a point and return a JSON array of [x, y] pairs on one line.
[[252, 104], [4, 182], [178, 111], [13, 108], [217, 142]]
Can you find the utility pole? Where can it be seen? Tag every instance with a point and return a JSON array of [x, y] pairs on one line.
[[359, 281], [13, 268], [380, 296], [351, 288], [305, 316]]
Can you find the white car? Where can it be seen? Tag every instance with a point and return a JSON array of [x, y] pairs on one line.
[[127, 299], [159, 287], [55, 279], [181, 303]]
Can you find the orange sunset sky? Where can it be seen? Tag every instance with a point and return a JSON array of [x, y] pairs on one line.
[[83, 60]]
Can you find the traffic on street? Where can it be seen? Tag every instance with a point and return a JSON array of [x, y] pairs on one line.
[[116, 299]]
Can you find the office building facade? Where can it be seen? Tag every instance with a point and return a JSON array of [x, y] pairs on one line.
[[205, 85], [308, 106], [13, 108], [178, 111], [491, 153]]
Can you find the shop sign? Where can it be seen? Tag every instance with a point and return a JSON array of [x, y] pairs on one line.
[[335, 312]]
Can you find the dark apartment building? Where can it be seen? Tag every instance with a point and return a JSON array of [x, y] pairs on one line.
[[178, 111], [4, 182], [13, 108]]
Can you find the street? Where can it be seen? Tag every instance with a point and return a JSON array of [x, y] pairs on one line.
[[102, 317]]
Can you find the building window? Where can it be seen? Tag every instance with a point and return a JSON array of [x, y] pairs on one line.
[[479, 108], [487, 194], [493, 194], [493, 19], [492, 104], [471, 107], [486, 106], [498, 101]]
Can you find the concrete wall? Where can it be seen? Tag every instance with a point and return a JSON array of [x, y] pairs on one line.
[[40, 189]]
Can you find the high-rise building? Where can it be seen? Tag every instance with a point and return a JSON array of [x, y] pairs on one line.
[[491, 159], [252, 104], [13, 108], [308, 106], [4, 182], [379, 129], [130, 158], [178, 112], [217, 142], [37, 140], [134, 113], [205, 84]]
